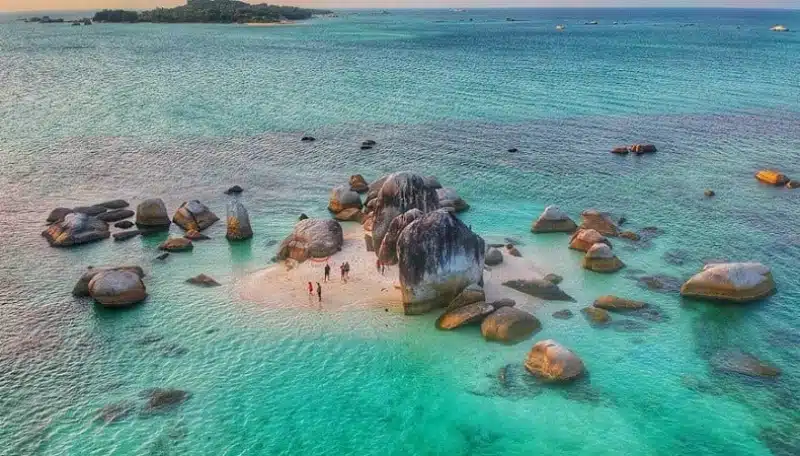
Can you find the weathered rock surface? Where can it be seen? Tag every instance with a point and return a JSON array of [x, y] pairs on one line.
[[583, 240], [115, 215], [349, 215], [194, 216], [555, 279], [615, 303], [74, 229], [388, 248], [203, 281], [513, 251], [342, 198], [601, 222], [629, 235], [312, 238], [553, 220], [117, 288], [400, 193], [193, 235], [737, 282], [114, 204], [81, 288], [125, 235], [464, 315], [152, 213], [238, 222], [600, 258], [509, 325], [449, 197], [164, 399], [58, 214], [469, 295], [505, 302], [124, 224], [596, 316], [640, 149], [432, 182], [235, 190], [358, 184], [738, 362], [91, 211], [438, 256], [563, 314], [542, 289], [493, 257], [176, 245], [551, 361]]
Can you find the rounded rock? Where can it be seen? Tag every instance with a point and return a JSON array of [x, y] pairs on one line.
[[509, 325], [553, 220], [117, 288], [735, 282], [553, 362]]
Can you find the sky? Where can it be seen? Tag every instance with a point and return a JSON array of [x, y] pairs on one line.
[[66, 5]]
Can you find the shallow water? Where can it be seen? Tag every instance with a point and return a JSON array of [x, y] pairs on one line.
[[94, 113]]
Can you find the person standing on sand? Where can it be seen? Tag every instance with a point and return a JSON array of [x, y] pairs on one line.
[[378, 265], [383, 269], [341, 272], [319, 292], [310, 289], [347, 270], [327, 273]]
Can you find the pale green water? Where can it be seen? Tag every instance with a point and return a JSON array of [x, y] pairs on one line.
[[185, 111]]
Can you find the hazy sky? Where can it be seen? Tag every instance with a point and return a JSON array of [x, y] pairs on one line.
[[55, 5]]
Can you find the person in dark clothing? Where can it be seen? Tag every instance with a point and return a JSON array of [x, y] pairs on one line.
[[378, 265], [383, 269], [327, 272], [319, 292]]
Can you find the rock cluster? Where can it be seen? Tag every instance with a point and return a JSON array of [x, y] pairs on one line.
[[601, 222], [600, 258], [74, 229], [112, 287], [583, 240]]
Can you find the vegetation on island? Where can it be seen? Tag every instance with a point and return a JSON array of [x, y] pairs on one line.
[[212, 11]]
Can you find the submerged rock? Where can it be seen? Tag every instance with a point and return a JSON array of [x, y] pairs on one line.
[[124, 224], [493, 257], [449, 197], [312, 238], [469, 295], [164, 399], [163, 256], [509, 325], [358, 184], [388, 248], [564, 314], [203, 280], [464, 315], [58, 214], [596, 316], [660, 283], [553, 220], [152, 213], [708, 193], [342, 198], [235, 190], [125, 235], [555, 279], [628, 326], [629, 235], [81, 288], [400, 193], [736, 282], [615, 303], [115, 215], [601, 222], [583, 240], [238, 222], [600, 258], [117, 288], [551, 361], [194, 216], [193, 235], [176, 245], [115, 412], [539, 288], [738, 362], [438, 257], [75, 229]]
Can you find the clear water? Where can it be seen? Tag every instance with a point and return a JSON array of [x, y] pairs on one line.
[[135, 111]]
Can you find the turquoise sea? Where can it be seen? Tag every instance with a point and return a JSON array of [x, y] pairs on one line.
[[184, 111]]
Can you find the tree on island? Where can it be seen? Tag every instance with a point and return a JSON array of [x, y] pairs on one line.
[[211, 11]]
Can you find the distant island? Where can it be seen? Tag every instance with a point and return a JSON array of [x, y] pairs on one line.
[[212, 11]]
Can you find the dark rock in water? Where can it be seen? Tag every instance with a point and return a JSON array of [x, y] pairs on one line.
[[509, 325], [174, 350], [739, 362], [115, 412], [164, 399], [513, 150], [152, 214], [193, 235], [629, 235], [564, 314], [125, 235], [660, 283], [628, 326], [677, 257], [75, 229], [194, 216], [438, 256], [124, 224], [388, 248], [312, 238], [235, 190], [700, 386], [555, 279], [595, 315], [369, 142], [449, 197], [505, 302], [114, 204], [539, 288], [432, 182], [302, 217], [709, 193], [81, 288], [238, 223], [496, 246], [163, 256], [493, 257], [781, 441], [358, 184], [400, 193], [650, 232], [150, 339], [464, 315], [615, 303], [176, 245], [271, 242], [89, 210], [511, 250], [366, 147], [308, 138], [203, 280], [58, 214], [115, 215], [118, 288]]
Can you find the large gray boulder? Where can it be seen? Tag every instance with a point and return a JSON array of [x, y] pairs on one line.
[[449, 197], [81, 288], [400, 193], [553, 220], [74, 229], [194, 216], [117, 288], [388, 248], [342, 197], [438, 256], [312, 238], [152, 214], [494, 257], [238, 222]]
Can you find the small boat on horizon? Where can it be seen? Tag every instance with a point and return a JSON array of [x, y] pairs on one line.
[[592, 23], [779, 28], [560, 27]]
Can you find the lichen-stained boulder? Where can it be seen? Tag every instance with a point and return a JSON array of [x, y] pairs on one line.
[[438, 256], [238, 222], [342, 198], [388, 249], [400, 193], [194, 215], [152, 214], [432, 182], [553, 220], [449, 197], [600, 258], [117, 288], [736, 282], [58, 214], [312, 238], [553, 362], [74, 229], [358, 183], [374, 189], [599, 221], [583, 240]]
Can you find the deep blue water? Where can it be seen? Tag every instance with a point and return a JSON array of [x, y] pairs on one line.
[[184, 111]]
